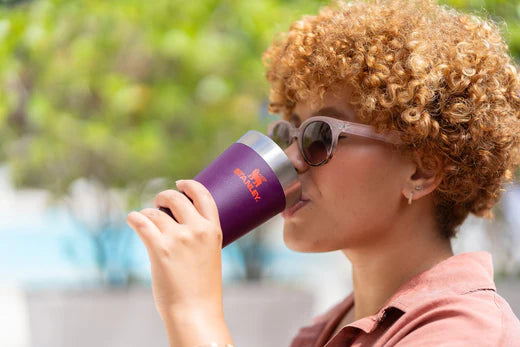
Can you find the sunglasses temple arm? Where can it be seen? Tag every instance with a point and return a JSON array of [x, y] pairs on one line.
[[367, 131]]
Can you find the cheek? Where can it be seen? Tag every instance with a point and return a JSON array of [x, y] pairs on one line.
[[363, 186]]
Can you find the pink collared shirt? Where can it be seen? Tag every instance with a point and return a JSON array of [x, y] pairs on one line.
[[454, 303]]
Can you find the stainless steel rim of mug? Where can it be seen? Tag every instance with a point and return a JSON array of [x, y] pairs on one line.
[[278, 161]]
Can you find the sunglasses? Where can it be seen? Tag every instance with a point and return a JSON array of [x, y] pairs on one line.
[[318, 136]]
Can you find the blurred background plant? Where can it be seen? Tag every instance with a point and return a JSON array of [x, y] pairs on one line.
[[121, 98], [121, 94]]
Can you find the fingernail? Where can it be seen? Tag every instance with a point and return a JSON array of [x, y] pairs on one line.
[[179, 181]]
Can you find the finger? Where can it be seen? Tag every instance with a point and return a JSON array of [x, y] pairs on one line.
[[161, 219], [144, 227], [180, 206], [202, 199]]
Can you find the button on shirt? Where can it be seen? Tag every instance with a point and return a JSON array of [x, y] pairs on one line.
[[454, 303]]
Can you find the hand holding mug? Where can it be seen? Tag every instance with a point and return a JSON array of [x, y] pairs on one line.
[[185, 256]]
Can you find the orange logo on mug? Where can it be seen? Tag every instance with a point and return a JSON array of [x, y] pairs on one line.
[[255, 178]]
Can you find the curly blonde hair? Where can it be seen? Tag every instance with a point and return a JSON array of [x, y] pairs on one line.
[[444, 79]]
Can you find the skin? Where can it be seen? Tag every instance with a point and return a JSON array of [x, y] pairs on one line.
[[186, 266], [358, 203]]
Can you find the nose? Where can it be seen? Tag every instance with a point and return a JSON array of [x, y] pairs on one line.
[[296, 158]]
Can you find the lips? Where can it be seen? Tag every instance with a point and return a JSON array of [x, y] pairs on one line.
[[304, 198], [288, 212]]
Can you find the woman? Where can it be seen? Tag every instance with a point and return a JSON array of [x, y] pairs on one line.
[[439, 97]]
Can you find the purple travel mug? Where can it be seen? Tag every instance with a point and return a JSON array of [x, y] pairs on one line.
[[251, 182]]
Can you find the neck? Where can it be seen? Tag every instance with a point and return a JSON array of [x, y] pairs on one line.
[[409, 248]]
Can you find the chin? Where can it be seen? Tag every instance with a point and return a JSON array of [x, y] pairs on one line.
[[292, 240], [300, 247], [296, 241]]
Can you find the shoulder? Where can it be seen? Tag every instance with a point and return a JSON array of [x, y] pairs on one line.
[[454, 303], [480, 317]]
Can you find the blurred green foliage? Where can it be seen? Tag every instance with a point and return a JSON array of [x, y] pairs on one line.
[[123, 91]]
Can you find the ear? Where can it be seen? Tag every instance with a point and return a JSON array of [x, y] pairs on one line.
[[421, 182]]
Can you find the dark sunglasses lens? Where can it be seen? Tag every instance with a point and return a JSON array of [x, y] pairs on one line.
[[280, 135], [317, 141]]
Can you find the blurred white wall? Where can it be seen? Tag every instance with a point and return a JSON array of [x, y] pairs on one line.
[[14, 317]]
